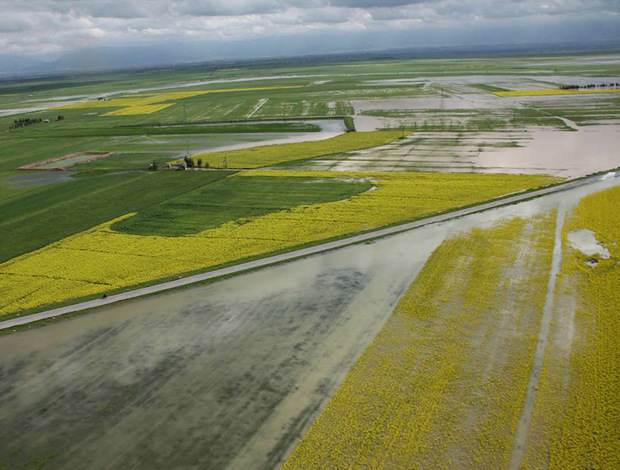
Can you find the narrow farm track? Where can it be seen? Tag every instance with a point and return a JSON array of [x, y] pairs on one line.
[[242, 267], [521, 434]]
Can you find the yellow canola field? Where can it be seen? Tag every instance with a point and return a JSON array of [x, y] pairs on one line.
[[443, 384], [550, 92], [135, 104], [100, 260], [136, 110], [133, 100], [576, 418]]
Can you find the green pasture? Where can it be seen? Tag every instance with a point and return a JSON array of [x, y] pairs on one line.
[[235, 199], [45, 214]]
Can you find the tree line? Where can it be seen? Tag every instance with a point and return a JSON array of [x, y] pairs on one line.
[[590, 85], [25, 122]]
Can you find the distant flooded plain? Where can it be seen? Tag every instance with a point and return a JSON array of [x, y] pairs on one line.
[[570, 154]]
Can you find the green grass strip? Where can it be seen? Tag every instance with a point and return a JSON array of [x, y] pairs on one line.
[[267, 155]]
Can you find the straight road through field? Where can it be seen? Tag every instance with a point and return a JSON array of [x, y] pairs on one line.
[[239, 268]]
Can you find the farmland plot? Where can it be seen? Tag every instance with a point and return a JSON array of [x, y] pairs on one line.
[[576, 418], [492, 359], [443, 383], [102, 259]]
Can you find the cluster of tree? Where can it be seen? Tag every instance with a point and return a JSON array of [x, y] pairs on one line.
[[590, 85], [189, 162], [24, 122]]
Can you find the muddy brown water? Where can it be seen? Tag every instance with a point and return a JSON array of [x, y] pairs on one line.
[[226, 375]]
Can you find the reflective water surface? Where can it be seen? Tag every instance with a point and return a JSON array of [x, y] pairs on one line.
[[225, 375]]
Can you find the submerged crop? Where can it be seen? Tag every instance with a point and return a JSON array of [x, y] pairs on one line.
[[576, 419], [442, 385], [257, 157]]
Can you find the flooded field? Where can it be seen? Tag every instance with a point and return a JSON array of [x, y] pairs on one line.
[[227, 375], [39, 179], [138, 151], [208, 377], [329, 128], [532, 151]]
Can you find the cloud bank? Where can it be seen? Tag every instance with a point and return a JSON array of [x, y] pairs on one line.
[[55, 26]]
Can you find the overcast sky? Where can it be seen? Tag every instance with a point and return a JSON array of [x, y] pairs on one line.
[[44, 26]]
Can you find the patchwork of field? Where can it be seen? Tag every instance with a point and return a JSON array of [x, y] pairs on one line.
[[103, 259], [263, 156], [425, 96], [501, 354], [149, 103], [492, 359]]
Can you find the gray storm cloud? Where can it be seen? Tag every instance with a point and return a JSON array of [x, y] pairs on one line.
[[40, 26]]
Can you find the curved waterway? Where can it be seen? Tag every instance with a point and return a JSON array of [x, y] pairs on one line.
[[225, 375], [329, 128]]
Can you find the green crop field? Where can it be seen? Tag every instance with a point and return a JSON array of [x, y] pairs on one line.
[[235, 199], [437, 116], [49, 213]]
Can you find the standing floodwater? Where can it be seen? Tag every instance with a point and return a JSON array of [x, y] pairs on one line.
[[199, 377], [227, 375]]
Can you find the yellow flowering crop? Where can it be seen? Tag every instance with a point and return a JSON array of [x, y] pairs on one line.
[[101, 259], [550, 92], [576, 418], [135, 110], [144, 103], [442, 385]]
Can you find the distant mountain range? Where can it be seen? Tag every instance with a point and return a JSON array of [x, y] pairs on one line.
[[118, 58]]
